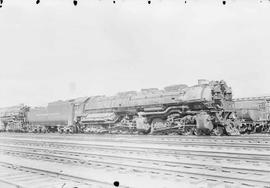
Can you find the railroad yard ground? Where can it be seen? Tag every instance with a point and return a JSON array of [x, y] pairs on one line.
[[80, 161]]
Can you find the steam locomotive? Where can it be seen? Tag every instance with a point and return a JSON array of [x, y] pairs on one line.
[[205, 108]]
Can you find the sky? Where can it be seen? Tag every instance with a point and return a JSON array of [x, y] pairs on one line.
[[55, 50]]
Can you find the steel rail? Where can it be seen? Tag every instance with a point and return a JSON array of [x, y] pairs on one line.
[[134, 137], [232, 143], [256, 147], [208, 154], [84, 154], [158, 151]]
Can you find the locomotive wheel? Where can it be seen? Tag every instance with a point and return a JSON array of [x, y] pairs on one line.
[[201, 132], [219, 131], [157, 123], [144, 132], [197, 132], [231, 128]]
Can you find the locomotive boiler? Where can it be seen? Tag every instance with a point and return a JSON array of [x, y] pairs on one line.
[[204, 108]]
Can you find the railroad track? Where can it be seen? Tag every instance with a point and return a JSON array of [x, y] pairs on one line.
[[251, 159], [233, 161], [246, 154], [132, 137], [259, 161], [180, 142], [150, 139], [172, 170], [257, 149], [25, 177]]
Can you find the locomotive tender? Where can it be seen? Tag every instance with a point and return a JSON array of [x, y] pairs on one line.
[[205, 108]]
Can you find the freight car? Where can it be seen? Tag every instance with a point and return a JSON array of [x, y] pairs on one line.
[[253, 113], [205, 108]]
